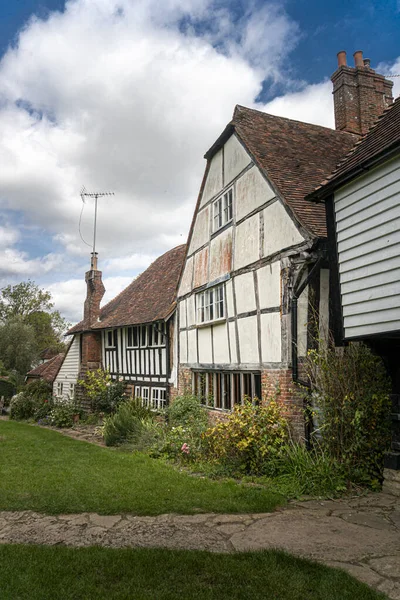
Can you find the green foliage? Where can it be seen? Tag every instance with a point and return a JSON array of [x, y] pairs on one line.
[[103, 393], [298, 471], [21, 407], [126, 424], [63, 412], [250, 437], [6, 389], [35, 401], [18, 345], [351, 394], [28, 325]]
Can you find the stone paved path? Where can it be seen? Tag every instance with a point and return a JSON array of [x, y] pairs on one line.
[[360, 535]]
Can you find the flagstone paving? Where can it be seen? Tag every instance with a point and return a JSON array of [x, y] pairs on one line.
[[360, 535]]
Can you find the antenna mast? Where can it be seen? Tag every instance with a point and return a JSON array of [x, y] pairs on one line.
[[96, 196]]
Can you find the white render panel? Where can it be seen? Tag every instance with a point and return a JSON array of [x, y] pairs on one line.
[[182, 313], [191, 310], [248, 337], [205, 345], [271, 337], [183, 352], [213, 182], [269, 285], [69, 370], [232, 342], [247, 242], [186, 284], [279, 230], [235, 159], [192, 346], [245, 293], [302, 323], [367, 214], [252, 191], [220, 344], [201, 230], [229, 299]]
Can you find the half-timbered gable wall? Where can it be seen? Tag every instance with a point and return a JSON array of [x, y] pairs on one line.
[[140, 355], [230, 298]]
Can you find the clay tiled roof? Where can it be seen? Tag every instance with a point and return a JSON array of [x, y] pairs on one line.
[[150, 297], [383, 137], [47, 370], [295, 156]]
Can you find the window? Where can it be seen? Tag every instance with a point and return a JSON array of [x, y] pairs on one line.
[[132, 335], [111, 338], [137, 392], [60, 388], [158, 398], [223, 390], [223, 210], [71, 392], [211, 304], [145, 396]]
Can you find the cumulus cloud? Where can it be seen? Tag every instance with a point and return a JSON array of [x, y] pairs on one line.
[[392, 68]]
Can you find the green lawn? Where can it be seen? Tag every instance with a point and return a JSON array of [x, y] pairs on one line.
[[44, 471], [45, 573]]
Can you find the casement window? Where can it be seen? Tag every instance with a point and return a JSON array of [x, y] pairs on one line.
[[158, 334], [224, 389], [71, 392], [145, 396], [60, 388], [111, 338], [132, 337], [158, 398], [211, 304], [223, 210], [137, 392]]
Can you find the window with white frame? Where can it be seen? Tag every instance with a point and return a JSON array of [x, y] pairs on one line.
[[211, 304], [137, 392], [224, 389], [71, 392], [223, 210], [145, 396], [158, 398], [111, 338], [59, 388], [132, 337]]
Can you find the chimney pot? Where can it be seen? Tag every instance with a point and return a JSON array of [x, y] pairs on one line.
[[358, 59], [367, 63], [341, 58], [93, 261]]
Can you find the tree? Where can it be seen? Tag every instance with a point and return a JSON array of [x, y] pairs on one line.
[[18, 346], [23, 299], [28, 325]]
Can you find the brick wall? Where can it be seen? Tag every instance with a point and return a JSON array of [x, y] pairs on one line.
[[90, 361], [278, 384]]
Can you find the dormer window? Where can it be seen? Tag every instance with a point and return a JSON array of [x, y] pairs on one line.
[[223, 210]]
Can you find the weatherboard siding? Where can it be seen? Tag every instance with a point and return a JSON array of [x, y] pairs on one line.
[[69, 370], [367, 214]]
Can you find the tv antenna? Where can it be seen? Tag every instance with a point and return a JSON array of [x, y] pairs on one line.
[[96, 196]]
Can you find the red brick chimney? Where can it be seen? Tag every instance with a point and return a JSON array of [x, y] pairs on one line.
[[91, 340], [360, 95], [94, 294]]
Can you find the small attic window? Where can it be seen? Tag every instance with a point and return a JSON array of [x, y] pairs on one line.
[[223, 210]]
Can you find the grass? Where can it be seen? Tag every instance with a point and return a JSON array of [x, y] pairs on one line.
[[44, 471], [142, 574]]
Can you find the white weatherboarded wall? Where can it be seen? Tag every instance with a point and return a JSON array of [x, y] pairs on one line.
[[68, 373], [367, 214]]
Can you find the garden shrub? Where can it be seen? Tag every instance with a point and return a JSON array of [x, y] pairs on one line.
[[250, 438], [21, 407], [104, 393], [351, 394], [63, 412], [187, 421], [126, 424]]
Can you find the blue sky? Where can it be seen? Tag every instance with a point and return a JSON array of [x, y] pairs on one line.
[[103, 94]]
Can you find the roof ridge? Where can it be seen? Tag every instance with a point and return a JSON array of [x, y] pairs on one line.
[[239, 107]]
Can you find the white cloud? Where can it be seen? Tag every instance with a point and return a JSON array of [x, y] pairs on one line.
[[392, 68], [8, 236], [16, 263]]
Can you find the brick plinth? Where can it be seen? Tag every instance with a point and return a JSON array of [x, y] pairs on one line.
[[278, 384]]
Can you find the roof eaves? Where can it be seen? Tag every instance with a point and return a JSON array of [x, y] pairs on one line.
[[225, 135], [332, 183]]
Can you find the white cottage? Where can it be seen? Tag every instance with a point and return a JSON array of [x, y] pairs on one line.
[[362, 198], [133, 336], [254, 293]]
